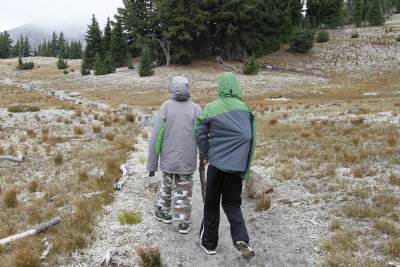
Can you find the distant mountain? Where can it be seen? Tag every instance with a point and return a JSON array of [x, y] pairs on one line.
[[38, 32]]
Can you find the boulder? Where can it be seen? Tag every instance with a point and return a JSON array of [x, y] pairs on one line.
[[258, 185], [123, 107]]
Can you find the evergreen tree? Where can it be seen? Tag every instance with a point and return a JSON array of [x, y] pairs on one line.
[[62, 46], [302, 38], [107, 36], [26, 52], [137, 20], [251, 66], [93, 43], [357, 12], [85, 70], [146, 67], [5, 45], [118, 46], [98, 66], [61, 63], [375, 14], [53, 45], [75, 50]]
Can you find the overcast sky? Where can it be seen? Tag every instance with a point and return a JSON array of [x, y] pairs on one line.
[[14, 13]]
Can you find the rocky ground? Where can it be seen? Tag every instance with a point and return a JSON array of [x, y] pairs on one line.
[[328, 136]]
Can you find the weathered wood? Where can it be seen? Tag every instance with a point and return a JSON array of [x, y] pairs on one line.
[[11, 158], [123, 179], [107, 258], [89, 195], [47, 250], [219, 60], [37, 229]]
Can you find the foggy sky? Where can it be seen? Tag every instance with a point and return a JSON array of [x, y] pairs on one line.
[[14, 13]]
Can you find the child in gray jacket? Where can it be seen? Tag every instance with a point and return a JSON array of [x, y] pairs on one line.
[[172, 141]]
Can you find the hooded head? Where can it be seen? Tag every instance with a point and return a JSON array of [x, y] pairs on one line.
[[179, 89], [228, 86]]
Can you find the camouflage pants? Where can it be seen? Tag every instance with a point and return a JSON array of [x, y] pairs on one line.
[[175, 196]]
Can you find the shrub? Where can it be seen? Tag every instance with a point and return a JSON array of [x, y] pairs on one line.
[[62, 63], [323, 36], [127, 217], [78, 130], [96, 128], [398, 38], [58, 158], [33, 185], [302, 39], [354, 35], [149, 257], [263, 203], [65, 72], [146, 67], [10, 198], [251, 66], [25, 66]]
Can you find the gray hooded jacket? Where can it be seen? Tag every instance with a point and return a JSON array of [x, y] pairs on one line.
[[172, 136]]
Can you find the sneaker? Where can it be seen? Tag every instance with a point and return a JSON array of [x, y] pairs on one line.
[[161, 216], [183, 227], [208, 251], [245, 249]]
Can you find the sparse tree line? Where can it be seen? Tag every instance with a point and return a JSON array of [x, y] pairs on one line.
[[22, 47], [59, 47], [173, 31]]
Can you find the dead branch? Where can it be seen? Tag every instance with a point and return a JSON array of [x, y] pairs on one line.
[[47, 250], [107, 258], [123, 179], [219, 60], [37, 229], [16, 159], [89, 195], [164, 45], [272, 142]]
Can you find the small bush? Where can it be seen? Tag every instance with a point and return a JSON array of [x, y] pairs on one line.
[[58, 158], [62, 64], [127, 217], [251, 66], [323, 37], [33, 185], [110, 136], [10, 198], [25, 66], [96, 128], [129, 117], [26, 258], [146, 67], [65, 72], [18, 108], [354, 35], [263, 203], [78, 130], [302, 39], [149, 257]]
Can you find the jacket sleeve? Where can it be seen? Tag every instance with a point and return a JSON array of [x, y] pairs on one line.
[[252, 144], [153, 156], [201, 134]]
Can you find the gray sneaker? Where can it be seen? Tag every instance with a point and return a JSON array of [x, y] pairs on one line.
[[208, 251], [183, 227], [161, 216], [245, 249]]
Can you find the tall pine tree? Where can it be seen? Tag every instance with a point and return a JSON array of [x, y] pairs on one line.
[[118, 46], [375, 13], [93, 43]]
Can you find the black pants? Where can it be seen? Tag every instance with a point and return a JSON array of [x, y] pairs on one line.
[[229, 186]]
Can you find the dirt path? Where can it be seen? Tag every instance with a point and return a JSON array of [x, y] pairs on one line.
[[285, 235]]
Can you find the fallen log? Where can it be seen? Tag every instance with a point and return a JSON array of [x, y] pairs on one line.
[[123, 179], [16, 159], [107, 258], [37, 229], [219, 60]]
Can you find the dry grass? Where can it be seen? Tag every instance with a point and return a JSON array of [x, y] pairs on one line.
[[394, 179], [149, 257], [58, 158], [10, 198], [78, 130], [263, 203], [26, 258], [96, 128], [33, 186]]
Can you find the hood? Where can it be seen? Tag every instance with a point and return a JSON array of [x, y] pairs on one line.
[[179, 89], [228, 86]]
